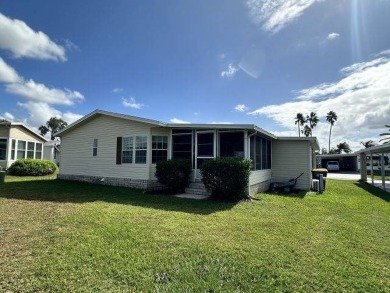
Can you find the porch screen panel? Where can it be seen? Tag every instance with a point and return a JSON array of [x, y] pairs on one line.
[[258, 153], [182, 146], [3, 149], [269, 154], [206, 145], [263, 154], [231, 144]]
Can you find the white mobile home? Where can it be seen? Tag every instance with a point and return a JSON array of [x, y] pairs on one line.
[[123, 150]]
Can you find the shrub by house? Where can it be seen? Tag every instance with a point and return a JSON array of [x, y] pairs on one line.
[[32, 167], [174, 174]]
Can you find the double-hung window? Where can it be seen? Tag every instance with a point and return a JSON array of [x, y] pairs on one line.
[[38, 151], [159, 148], [30, 150], [141, 147], [21, 154], [127, 149], [13, 148]]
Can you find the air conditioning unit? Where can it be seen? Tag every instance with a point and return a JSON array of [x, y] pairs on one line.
[[315, 185]]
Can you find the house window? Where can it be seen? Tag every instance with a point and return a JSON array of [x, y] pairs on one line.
[[95, 146], [159, 148], [182, 146], [260, 153], [21, 153], [141, 147], [38, 151], [127, 149], [3, 149], [13, 149], [30, 150]]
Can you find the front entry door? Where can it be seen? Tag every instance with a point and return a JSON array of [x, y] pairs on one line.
[[205, 149]]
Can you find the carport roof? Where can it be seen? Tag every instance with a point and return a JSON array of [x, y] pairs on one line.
[[384, 148]]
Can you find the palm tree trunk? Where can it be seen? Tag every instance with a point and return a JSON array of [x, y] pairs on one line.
[[299, 130], [330, 133]]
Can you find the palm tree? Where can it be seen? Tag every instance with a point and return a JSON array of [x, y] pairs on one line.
[[367, 144], [307, 131], [300, 120], [343, 147], [313, 120], [386, 139], [331, 117], [53, 125]]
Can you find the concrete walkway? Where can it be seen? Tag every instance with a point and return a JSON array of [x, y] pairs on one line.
[[192, 196], [344, 176]]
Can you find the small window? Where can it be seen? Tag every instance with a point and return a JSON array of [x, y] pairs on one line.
[[13, 149], [30, 150], [159, 148], [21, 154], [141, 147], [127, 150], [94, 148], [3, 149], [38, 151]]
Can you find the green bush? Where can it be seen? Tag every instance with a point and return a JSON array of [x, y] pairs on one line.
[[174, 174], [32, 167], [226, 178]]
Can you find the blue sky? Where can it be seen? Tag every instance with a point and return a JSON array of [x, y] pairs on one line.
[[252, 61]]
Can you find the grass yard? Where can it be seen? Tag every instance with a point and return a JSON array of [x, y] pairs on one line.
[[68, 236]]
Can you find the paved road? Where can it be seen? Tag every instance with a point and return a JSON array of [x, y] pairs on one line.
[[344, 176]]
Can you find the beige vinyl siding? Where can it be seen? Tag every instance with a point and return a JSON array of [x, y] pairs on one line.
[[289, 159], [18, 132], [159, 131], [76, 149]]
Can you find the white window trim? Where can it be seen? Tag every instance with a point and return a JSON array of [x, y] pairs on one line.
[[159, 149], [134, 149]]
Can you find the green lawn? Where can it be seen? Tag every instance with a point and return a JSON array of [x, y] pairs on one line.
[[68, 236]]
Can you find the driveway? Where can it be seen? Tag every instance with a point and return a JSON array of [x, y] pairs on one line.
[[344, 176]]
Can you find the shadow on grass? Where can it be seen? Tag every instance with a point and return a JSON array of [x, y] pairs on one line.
[[293, 194], [64, 191], [376, 191]]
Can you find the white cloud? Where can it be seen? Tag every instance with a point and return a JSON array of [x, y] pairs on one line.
[[40, 93], [230, 72], [7, 73], [40, 112], [117, 90], [361, 99], [7, 116], [220, 122], [241, 108], [71, 46], [333, 36], [18, 38], [274, 15], [131, 103], [176, 120]]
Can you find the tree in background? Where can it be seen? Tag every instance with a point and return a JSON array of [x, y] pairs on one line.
[[313, 120], [387, 138], [367, 144], [331, 117], [300, 120], [307, 131], [343, 147], [53, 125]]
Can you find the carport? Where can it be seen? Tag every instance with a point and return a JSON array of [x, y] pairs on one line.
[[348, 162], [375, 150]]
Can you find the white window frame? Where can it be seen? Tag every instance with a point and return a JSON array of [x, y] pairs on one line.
[[95, 147], [160, 149]]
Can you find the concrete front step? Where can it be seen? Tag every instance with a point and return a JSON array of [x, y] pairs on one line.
[[197, 188], [192, 191]]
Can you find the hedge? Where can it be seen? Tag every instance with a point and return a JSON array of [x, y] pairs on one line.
[[32, 167], [174, 174], [226, 178]]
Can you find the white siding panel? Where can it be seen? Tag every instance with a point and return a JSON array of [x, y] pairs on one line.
[[259, 176], [76, 149], [289, 159]]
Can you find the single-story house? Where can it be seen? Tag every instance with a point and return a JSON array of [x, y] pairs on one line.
[[51, 151], [123, 150], [17, 141]]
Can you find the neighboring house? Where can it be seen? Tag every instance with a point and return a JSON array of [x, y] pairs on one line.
[[123, 150], [17, 141], [51, 151], [347, 162]]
